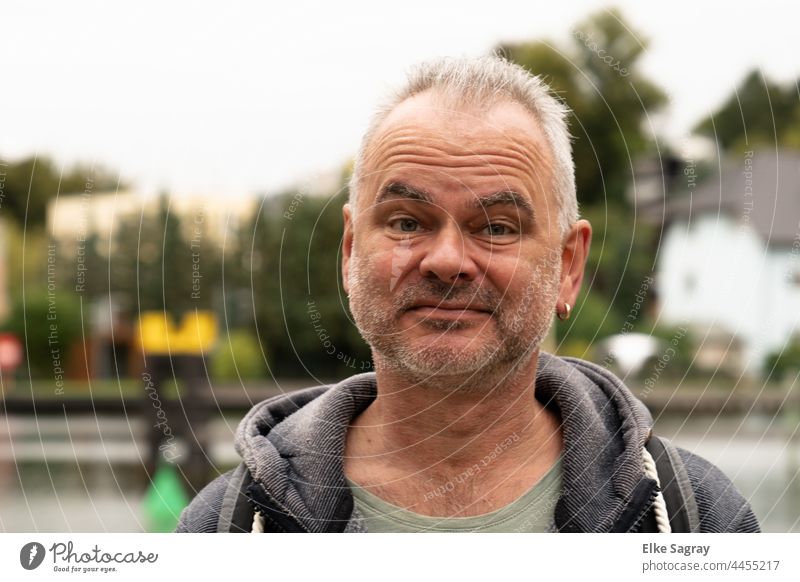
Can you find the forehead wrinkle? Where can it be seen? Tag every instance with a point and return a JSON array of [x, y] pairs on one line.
[[407, 145], [486, 164], [530, 177], [526, 156], [521, 145]]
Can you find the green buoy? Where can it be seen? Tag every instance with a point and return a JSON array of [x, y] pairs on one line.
[[164, 500]]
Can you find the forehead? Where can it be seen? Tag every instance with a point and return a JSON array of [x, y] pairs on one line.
[[428, 139]]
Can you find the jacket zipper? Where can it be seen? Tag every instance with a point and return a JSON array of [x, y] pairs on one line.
[[275, 512], [635, 519], [637, 525]]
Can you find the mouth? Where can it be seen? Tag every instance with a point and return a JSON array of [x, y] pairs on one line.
[[439, 309]]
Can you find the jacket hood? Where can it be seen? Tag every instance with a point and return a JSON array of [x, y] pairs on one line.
[[293, 446]]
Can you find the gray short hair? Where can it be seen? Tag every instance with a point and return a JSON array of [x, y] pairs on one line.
[[484, 81]]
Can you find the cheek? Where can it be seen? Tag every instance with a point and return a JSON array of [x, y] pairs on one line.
[[387, 256], [525, 280], [507, 274], [401, 255], [378, 264]]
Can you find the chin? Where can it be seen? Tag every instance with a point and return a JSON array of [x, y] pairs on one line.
[[459, 358]]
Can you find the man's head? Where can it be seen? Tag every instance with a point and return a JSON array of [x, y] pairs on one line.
[[479, 83], [461, 235]]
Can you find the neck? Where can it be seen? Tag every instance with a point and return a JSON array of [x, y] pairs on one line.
[[450, 423]]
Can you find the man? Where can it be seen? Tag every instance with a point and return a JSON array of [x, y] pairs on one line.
[[461, 242]]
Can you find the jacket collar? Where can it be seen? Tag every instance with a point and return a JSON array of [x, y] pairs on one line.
[[604, 429], [293, 446]]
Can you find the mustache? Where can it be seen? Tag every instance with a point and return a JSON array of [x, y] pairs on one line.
[[438, 291]]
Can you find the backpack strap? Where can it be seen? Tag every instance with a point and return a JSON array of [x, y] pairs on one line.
[[236, 513], [675, 486]]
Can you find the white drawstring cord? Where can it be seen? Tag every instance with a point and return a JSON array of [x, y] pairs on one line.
[[258, 523], [659, 505]]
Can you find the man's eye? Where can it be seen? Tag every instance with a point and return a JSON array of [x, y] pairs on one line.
[[405, 225], [497, 229]]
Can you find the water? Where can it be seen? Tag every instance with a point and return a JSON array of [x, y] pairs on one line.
[[760, 454], [87, 474]]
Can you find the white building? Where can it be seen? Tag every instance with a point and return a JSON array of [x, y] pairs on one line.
[[729, 263]]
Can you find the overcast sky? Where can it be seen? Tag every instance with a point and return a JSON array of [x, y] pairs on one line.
[[242, 97]]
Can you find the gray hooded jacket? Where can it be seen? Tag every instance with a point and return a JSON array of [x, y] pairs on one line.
[[293, 445]]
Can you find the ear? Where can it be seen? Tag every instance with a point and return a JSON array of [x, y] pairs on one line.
[[574, 253], [347, 246]]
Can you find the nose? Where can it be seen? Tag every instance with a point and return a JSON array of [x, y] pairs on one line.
[[447, 256]]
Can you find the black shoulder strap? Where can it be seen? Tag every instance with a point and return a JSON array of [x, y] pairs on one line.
[[675, 486], [236, 514], [238, 508]]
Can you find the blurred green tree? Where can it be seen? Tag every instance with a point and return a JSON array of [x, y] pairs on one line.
[[32, 182], [48, 324], [759, 112], [294, 288], [784, 363], [596, 75], [157, 263], [238, 356]]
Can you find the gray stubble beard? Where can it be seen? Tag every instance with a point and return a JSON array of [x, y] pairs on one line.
[[517, 332]]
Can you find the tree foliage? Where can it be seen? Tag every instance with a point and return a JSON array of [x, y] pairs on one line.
[[49, 325], [158, 256], [32, 182], [785, 362], [238, 357], [292, 250], [759, 112], [596, 75]]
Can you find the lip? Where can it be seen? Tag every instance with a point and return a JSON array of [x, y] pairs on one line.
[[451, 306], [448, 310]]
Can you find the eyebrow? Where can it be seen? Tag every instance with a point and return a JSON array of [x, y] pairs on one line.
[[401, 190], [509, 197], [405, 191]]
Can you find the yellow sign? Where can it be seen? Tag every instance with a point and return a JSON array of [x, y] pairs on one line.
[[196, 334]]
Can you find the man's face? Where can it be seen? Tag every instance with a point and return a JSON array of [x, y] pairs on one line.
[[453, 259]]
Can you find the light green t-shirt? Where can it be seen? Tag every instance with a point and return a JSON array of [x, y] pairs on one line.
[[530, 513]]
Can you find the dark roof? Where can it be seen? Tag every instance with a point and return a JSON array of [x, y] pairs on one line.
[[771, 206]]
